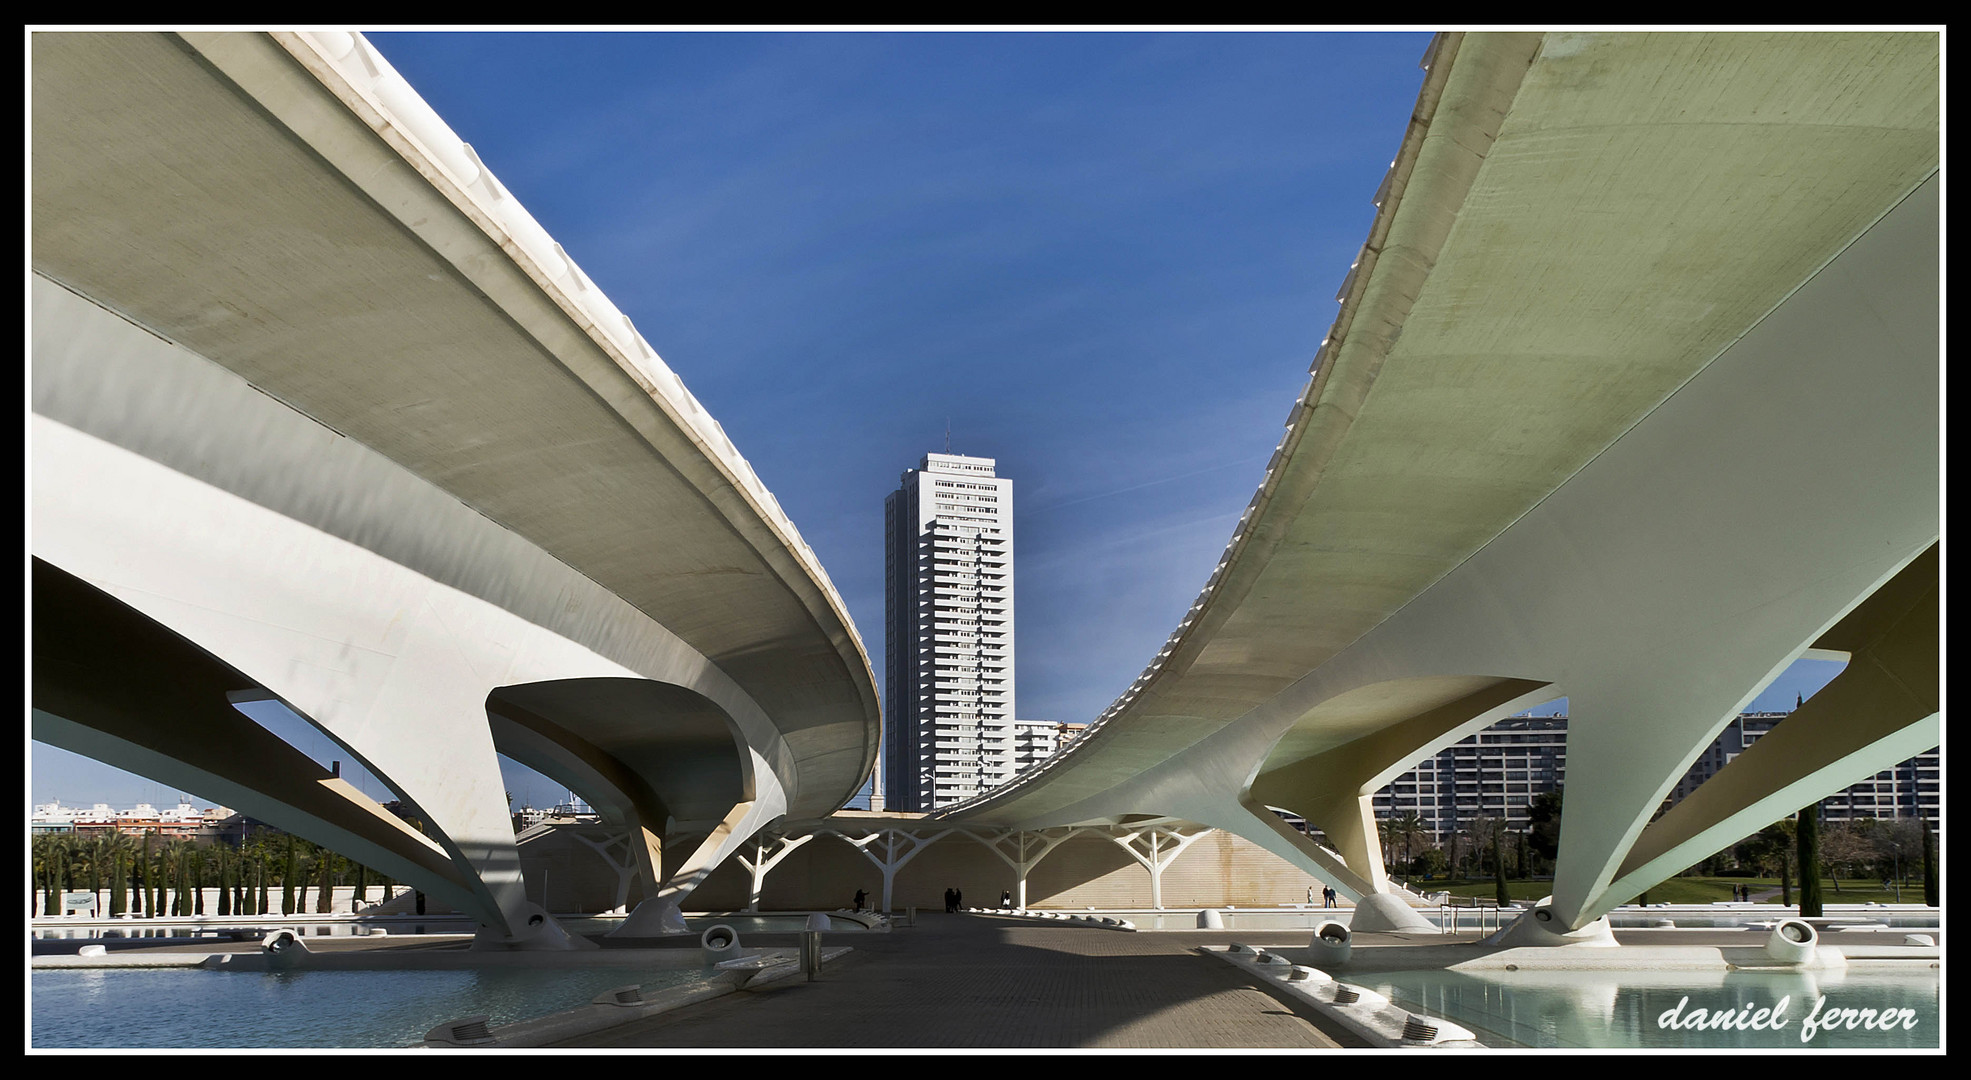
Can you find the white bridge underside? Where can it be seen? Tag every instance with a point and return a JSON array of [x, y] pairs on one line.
[[1633, 398]]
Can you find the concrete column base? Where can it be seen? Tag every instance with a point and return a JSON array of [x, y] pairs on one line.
[[652, 918], [537, 932], [1543, 926], [1385, 912]]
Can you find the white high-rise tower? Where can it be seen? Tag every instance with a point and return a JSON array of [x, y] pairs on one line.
[[948, 688]]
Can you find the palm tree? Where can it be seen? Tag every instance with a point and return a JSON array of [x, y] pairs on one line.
[[1408, 829]]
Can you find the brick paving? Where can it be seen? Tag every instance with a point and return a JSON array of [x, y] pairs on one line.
[[969, 982]]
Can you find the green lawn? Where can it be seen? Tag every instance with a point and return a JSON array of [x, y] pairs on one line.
[[1687, 890]]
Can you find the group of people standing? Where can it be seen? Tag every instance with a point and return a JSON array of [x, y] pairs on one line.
[[1329, 897], [953, 900]]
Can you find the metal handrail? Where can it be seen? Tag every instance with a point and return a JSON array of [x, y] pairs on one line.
[[1448, 913]]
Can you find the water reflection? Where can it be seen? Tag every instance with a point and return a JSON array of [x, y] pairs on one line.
[[100, 1008], [1586, 1009]]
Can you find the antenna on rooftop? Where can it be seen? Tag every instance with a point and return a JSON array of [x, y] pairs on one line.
[[947, 434]]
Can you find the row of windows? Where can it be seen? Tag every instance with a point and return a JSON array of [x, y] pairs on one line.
[[964, 496], [964, 485]]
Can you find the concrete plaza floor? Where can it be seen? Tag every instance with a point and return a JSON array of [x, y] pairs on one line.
[[973, 982], [977, 982]]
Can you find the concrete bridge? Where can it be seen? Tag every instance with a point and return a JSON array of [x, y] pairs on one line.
[[1632, 399], [322, 416]]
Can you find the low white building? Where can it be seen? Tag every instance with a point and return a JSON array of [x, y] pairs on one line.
[[1034, 741]]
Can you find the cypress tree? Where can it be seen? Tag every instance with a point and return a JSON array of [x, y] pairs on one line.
[[1931, 895], [225, 873], [1785, 880], [47, 882], [1499, 889], [288, 873], [117, 896], [266, 898], [1807, 835], [148, 880], [325, 895]]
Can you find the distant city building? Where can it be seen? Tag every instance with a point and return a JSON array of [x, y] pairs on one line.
[[183, 821], [571, 812], [1495, 773], [1499, 771], [949, 700], [51, 818], [1909, 790], [1034, 741]]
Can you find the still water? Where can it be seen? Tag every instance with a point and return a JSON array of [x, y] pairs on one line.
[[181, 1008], [1580, 1009]]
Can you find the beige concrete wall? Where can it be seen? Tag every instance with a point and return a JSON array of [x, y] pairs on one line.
[[1217, 870], [1088, 871]]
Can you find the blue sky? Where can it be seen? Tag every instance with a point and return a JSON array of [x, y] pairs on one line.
[[1105, 259]]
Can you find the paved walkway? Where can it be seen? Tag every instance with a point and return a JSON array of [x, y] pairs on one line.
[[969, 982]]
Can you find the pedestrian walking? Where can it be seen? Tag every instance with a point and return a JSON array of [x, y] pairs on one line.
[[860, 896]]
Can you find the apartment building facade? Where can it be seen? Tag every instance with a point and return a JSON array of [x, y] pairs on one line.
[[948, 659], [1499, 771]]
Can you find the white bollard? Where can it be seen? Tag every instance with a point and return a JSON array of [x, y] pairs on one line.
[[720, 942], [1332, 942], [1792, 942]]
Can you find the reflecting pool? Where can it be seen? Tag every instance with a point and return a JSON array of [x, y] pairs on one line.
[[198, 1009], [1658, 1010]]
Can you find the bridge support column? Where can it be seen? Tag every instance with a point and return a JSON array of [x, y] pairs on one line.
[[1880, 710], [898, 848], [1028, 848], [1164, 844], [761, 863], [663, 912], [627, 866]]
